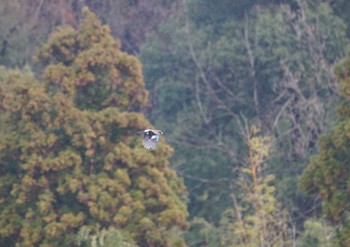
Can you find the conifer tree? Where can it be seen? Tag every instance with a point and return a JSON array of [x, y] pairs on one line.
[[69, 154], [328, 174]]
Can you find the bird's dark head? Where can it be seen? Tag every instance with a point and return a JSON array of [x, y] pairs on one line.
[[161, 132]]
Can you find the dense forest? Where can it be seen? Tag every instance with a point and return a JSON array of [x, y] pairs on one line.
[[253, 98]]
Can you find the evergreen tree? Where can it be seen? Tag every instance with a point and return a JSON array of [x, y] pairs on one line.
[[69, 154], [328, 173]]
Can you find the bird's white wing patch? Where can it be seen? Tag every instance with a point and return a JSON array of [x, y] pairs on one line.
[[155, 138]]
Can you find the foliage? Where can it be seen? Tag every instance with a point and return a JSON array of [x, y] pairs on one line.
[[103, 238], [26, 25], [16, 29], [341, 7], [273, 66], [258, 220], [202, 234], [317, 234], [69, 154], [327, 174], [71, 166], [132, 20]]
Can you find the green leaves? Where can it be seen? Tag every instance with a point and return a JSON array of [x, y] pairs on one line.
[[77, 159], [327, 174], [207, 70]]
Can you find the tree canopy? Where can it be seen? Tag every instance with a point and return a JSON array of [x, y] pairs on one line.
[[69, 154]]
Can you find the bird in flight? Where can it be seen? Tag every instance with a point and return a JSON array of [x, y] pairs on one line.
[[150, 138]]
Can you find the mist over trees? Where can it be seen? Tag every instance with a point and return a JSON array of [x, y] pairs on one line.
[[252, 97]]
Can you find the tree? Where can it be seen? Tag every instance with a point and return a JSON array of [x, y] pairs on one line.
[[257, 218], [327, 173], [273, 66], [341, 7], [26, 25], [317, 234], [103, 238], [131, 21], [202, 234], [69, 154]]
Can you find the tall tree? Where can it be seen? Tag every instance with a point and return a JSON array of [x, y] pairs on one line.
[[258, 220], [69, 155], [328, 173]]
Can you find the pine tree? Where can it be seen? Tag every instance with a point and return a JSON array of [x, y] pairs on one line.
[[69, 154]]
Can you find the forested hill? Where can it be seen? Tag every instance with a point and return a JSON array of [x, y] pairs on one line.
[[252, 97]]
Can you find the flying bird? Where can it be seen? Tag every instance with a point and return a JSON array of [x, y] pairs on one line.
[[150, 138]]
